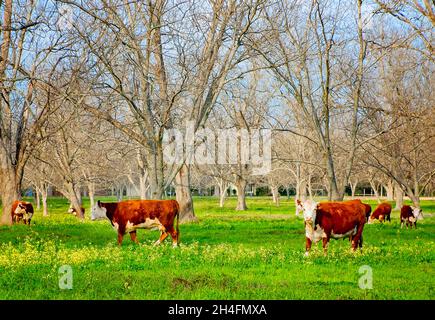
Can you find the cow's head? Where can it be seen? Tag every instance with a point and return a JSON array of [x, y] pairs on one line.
[[20, 209], [417, 213], [98, 211], [310, 211]]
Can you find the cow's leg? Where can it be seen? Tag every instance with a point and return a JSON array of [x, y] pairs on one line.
[[133, 237], [360, 243], [174, 236], [307, 246], [163, 235], [357, 237], [162, 238], [120, 236], [325, 241]]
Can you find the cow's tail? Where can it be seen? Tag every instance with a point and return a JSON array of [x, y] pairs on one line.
[[177, 214]]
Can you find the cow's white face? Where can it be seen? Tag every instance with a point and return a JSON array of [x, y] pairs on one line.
[[310, 211], [20, 209], [417, 213], [98, 212]]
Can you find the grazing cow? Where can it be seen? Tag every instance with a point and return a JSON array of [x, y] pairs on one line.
[[22, 210], [127, 216], [73, 211], [382, 213], [410, 215], [336, 220]]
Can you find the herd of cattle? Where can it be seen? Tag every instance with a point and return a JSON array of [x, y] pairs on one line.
[[323, 220], [326, 220]]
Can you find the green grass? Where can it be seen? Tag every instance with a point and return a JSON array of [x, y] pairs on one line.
[[257, 254]]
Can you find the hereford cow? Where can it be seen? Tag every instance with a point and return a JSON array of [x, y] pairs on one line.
[[22, 210], [410, 215], [382, 213], [73, 211], [336, 220], [127, 216]]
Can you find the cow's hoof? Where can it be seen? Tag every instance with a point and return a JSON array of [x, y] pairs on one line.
[[306, 254], [175, 245], [156, 243]]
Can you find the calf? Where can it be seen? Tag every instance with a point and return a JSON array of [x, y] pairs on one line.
[[336, 220], [410, 215], [127, 216], [22, 210], [381, 213]]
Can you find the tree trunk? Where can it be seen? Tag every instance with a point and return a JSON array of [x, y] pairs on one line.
[[353, 187], [222, 199], [241, 197], [183, 195], [37, 199], [223, 187], [78, 195], [74, 200], [44, 193], [120, 193], [275, 195], [398, 192], [415, 200], [10, 192], [375, 190], [389, 187], [91, 191], [143, 186], [310, 190], [334, 194]]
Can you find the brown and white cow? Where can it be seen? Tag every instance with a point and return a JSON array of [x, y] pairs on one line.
[[410, 215], [127, 216], [381, 213], [336, 220], [22, 210]]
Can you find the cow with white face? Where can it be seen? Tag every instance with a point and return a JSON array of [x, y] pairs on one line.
[[409, 216], [312, 233], [335, 220], [22, 211]]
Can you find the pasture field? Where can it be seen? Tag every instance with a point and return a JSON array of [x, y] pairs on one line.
[[257, 254]]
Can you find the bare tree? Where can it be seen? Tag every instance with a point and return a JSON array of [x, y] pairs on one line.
[[145, 39], [301, 51], [27, 61], [419, 17]]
